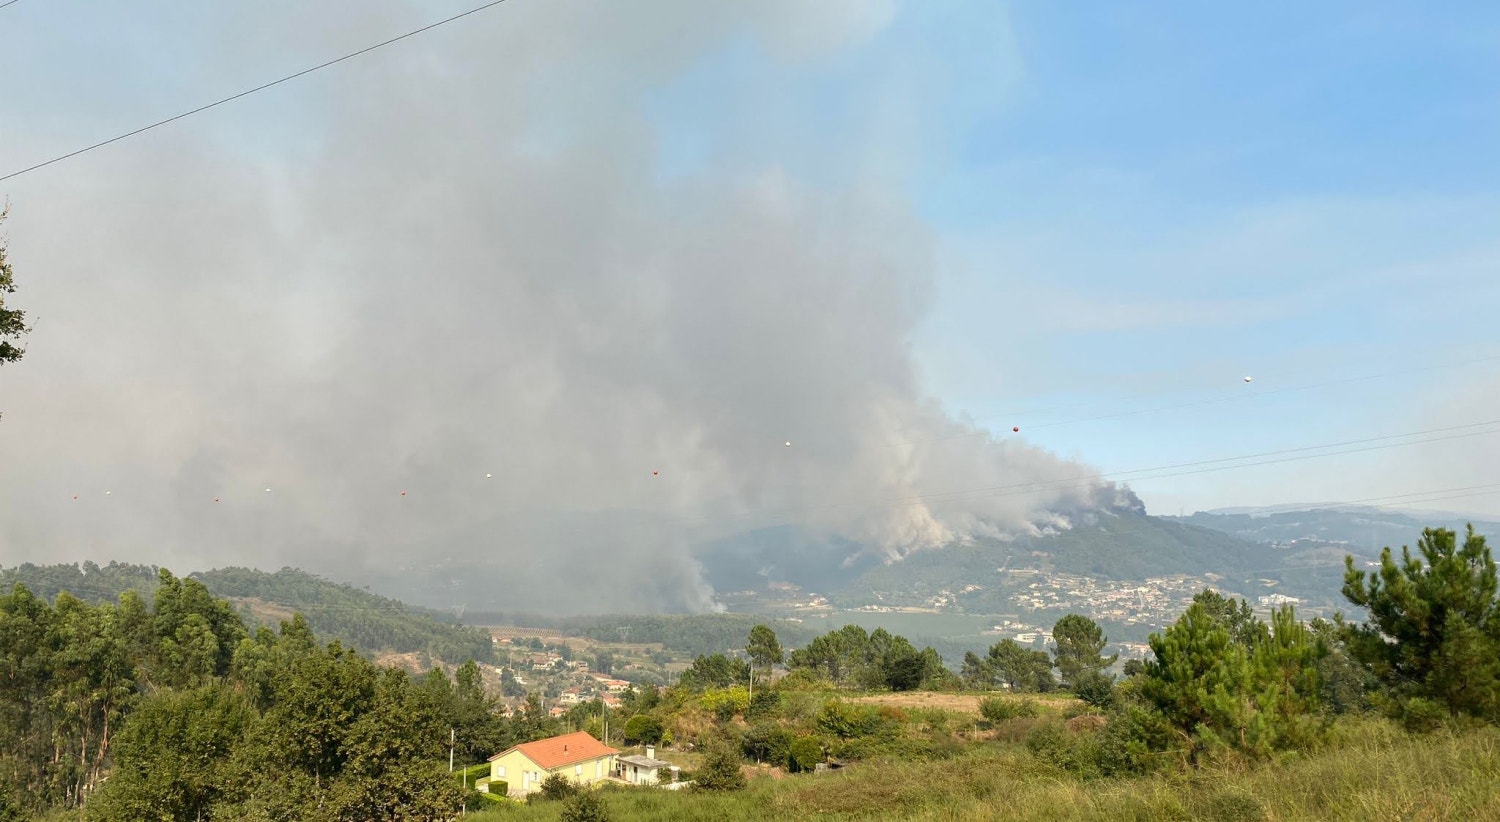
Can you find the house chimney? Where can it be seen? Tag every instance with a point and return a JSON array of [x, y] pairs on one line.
[[565, 747], [650, 751]]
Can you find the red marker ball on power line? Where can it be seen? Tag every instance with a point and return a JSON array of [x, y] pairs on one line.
[[403, 493], [654, 473], [1017, 429]]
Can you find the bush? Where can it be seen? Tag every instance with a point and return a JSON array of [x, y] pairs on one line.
[[804, 754], [1232, 804], [724, 703], [720, 770], [585, 806], [1055, 745], [996, 709], [1096, 688], [804, 679], [557, 786], [848, 721], [767, 742], [764, 704]]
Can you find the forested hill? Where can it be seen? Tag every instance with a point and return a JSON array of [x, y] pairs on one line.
[[367, 622]]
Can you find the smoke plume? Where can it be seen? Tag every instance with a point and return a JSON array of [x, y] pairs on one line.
[[467, 281]]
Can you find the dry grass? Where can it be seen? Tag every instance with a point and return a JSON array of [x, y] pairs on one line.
[[958, 703]]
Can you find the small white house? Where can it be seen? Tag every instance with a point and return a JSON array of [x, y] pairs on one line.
[[648, 770]]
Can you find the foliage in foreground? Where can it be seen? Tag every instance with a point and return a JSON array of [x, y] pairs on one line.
[[1370, 770], [1433, 639]]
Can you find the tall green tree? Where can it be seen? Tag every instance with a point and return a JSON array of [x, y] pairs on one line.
[[763, 648], [1080, 642], [1433, 635], [975, 673], [714, 671], [173, 757], [1021, 668]]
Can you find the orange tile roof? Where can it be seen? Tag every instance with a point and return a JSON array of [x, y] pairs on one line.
[[562, 750]]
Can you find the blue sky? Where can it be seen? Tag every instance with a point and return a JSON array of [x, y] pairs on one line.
[[1128, 206], [1138, 204]]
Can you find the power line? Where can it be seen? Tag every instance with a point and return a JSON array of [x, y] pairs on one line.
[[9, 3], [248, 92]]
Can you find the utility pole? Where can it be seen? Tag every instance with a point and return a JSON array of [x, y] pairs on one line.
[[452, 738]]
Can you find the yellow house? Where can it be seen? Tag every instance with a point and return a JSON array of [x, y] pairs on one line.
[[578, 756]]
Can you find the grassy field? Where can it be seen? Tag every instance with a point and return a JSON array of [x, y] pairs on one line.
[[1369, 771]]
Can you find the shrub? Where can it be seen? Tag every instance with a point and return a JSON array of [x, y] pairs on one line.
[[585, 806], [724, 703], [1052, 743], [764, 704], [1232, 804], [557, 786], [767, 742], [996, 709], [720, 770], [934, 719], [804, 754], [1137, 740], [848, 721], [1096, 688]]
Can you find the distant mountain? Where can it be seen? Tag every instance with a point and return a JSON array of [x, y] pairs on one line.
[[359, 619], [1359, 529], [1119, 544]]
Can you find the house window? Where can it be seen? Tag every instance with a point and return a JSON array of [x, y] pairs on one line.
[[578, 770], [500, 771]]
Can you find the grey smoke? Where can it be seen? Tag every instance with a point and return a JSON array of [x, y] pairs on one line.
[[474, 269]]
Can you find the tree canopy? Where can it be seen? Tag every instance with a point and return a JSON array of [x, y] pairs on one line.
[[1433, 637], [1080, 642]]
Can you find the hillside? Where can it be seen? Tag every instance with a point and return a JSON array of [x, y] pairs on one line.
[[362, 620], [1118, 545]]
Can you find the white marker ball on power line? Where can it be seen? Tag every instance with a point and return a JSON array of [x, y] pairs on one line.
[[268, 490], [789, 443], [107, 493], [486, 476], [1247, 379]]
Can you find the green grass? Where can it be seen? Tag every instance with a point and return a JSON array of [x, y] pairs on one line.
[[1369, 771]]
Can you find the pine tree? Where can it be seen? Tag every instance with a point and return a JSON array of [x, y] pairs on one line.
[[1433, 637], [1080, 642]]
